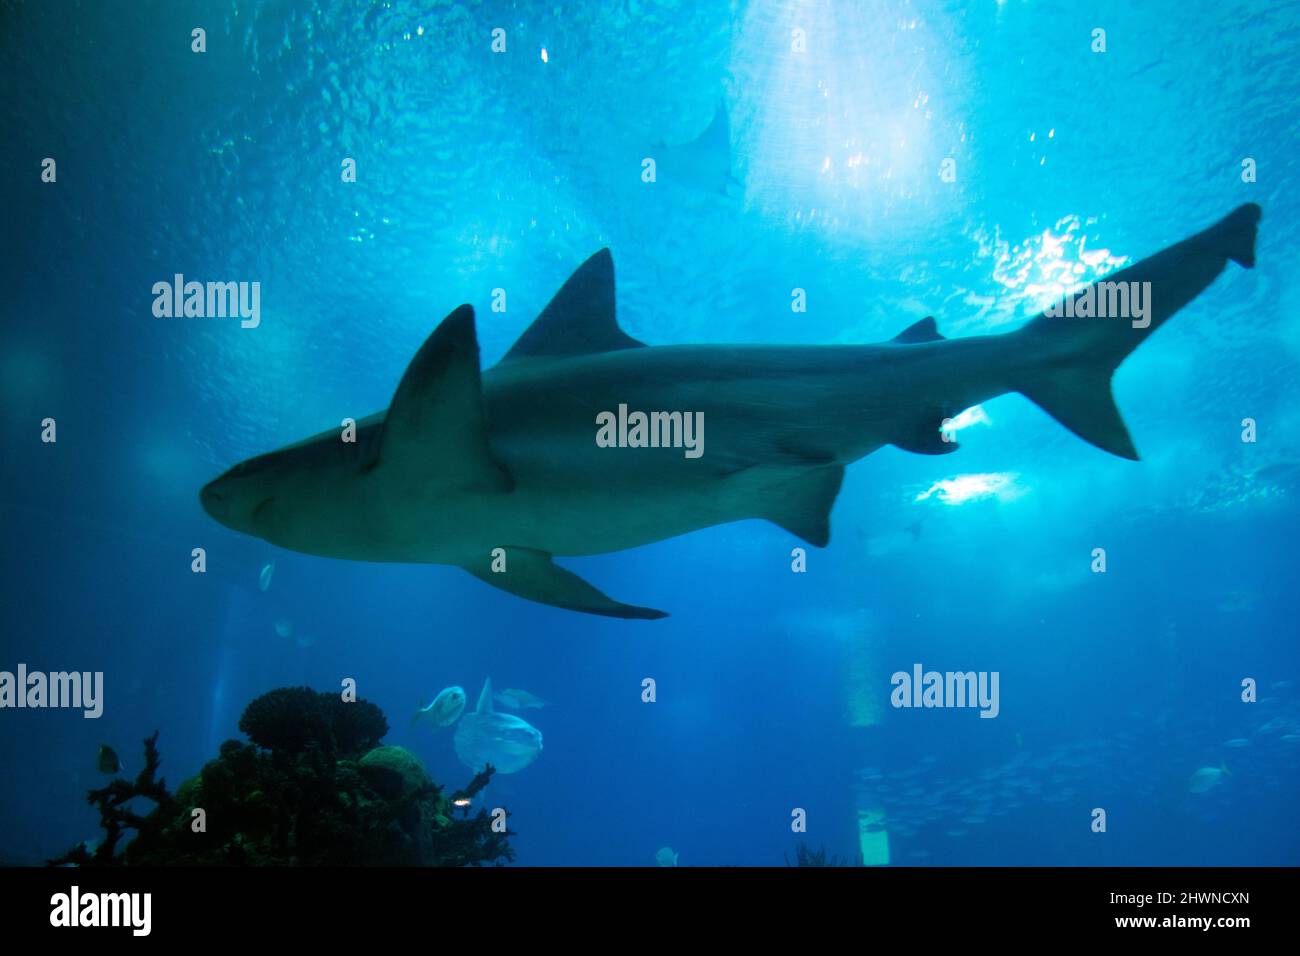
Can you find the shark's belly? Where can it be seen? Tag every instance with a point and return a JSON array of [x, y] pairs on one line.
[[588, 518]]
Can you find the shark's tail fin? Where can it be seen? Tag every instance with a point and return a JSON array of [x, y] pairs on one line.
[[1072, 351]]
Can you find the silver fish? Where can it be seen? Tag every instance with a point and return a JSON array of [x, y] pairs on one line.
[[444, 709], [507, 742]]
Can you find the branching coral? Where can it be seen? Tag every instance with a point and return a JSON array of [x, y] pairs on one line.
[[818, 857], [114, 815]]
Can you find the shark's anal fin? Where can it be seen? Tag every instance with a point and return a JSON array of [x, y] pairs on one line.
[[533, 575], [926, 438], [580, 320], [435, 432]]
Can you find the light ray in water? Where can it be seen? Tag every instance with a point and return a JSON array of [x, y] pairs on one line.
[[998, 485]]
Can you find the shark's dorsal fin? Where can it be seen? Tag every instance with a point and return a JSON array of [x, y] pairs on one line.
[[435, 432], [580, 319], [485, 698], [923, 331]]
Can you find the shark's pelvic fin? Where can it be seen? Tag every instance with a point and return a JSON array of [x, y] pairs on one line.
[[923, 331], [435, 432], [1079, 355], [580, 319], [801, 502], [533, 575]]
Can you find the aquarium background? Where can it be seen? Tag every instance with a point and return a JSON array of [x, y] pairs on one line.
[[479, 171]]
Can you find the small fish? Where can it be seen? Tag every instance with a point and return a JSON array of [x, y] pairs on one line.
[[1290, 738], [264, 579], [1207, 778], [1237, 742], [106, 760], [517, 699], [283, 628], [443, 710], [1283, 685], [666, 857]]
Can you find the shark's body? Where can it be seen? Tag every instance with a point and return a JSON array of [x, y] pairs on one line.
[[497, 471]]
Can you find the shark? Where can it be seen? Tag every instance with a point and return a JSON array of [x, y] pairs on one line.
[[500, 471]]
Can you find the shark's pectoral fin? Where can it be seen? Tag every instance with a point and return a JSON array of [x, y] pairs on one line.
[[533, 575], [802, 504], [435, 432]]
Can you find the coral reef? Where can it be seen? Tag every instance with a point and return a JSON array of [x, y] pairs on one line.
[[314, 788]]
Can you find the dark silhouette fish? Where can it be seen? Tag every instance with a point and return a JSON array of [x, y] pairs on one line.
[[499, 471]]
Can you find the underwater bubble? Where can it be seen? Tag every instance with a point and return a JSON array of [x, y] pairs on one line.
[[283, 628], [306, 640]]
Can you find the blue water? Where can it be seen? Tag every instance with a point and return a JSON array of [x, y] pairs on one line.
[[479, 171]]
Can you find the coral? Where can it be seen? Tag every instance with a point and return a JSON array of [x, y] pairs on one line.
[[314, 788], [291, 720], [114, 815], [394, 771]]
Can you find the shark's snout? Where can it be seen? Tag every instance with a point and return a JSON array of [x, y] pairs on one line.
[[213, 501]]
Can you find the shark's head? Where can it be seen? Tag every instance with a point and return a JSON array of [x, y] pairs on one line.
[[245, 498]]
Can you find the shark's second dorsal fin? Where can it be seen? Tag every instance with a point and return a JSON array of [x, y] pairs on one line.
[[485, 698], [923, 331], [435, 431], [580, 319]]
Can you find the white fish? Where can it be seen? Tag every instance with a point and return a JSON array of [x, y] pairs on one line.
[[444, 709], [264, 579], [507, 742], [517, 699], [1206, 779], [666, 856]]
